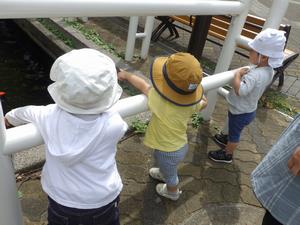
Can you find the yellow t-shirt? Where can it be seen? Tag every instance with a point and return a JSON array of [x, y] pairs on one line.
[[167, 128]]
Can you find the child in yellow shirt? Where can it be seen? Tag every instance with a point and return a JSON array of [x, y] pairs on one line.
[[176, 94]]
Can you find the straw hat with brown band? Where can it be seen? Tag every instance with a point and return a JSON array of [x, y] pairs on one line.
[[177, 78]]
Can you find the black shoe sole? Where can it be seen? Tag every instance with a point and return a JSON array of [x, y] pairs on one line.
[[221, 144], [219, 160]]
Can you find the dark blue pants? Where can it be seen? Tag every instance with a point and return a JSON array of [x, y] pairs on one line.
[[270, 220], [236, 123], [61, 215]]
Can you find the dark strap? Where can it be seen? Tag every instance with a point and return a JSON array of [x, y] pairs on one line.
[[173, 86]]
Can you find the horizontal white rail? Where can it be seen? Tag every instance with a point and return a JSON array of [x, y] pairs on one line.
[[27, 136], [90, 8]]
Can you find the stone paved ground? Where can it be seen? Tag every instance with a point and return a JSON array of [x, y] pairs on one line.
[[213, 194]]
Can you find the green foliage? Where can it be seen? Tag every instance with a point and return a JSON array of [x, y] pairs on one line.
[[93, 36], [139, 126], [128, 88], [56, 32], [197, 120], [276, 100], [19, 194]]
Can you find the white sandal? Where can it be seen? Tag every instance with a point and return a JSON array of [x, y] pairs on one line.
[[156, 174], [162, 190]]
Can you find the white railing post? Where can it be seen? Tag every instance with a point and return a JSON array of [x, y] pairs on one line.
[[276, 13], [133, 35], [132, 30], [147, 39], [10, 208], [234, 31]]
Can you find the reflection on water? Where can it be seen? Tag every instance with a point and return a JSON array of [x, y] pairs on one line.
[[24, 68]]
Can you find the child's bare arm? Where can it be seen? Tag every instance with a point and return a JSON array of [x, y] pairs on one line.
[[237, 79], [136, 81], [203, 102]]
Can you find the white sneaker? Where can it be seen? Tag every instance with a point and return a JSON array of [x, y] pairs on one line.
[[156, 174], [162, 190]]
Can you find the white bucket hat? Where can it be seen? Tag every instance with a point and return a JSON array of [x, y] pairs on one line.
[[85, 82], [270, 42]]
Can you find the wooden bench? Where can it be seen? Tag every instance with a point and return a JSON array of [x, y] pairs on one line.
[[217, 32]]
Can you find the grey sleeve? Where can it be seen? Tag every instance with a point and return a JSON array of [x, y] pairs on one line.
[[247, 84]]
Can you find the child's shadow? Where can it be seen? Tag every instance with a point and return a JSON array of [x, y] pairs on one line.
[[204, 184]]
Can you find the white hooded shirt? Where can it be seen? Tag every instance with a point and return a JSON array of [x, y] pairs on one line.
[[80, 169]]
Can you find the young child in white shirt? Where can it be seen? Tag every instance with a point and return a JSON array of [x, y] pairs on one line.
[[81, 133]]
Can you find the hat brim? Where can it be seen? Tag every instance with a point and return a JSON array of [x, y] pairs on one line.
[[101, 107], [162, 87]]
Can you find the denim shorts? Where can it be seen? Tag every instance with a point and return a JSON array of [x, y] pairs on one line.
[[236, 124], [62, 215], [167, 163]]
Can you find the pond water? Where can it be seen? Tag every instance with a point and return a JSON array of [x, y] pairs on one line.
[[24, 68]]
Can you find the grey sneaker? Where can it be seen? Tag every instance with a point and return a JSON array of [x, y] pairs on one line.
[[162, 190], [156, 174]]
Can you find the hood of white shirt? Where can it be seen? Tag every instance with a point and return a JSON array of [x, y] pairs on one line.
[[75, 136]]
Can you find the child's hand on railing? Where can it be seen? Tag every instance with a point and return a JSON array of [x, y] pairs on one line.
[[242, 71], [7, 124], [123, 75]]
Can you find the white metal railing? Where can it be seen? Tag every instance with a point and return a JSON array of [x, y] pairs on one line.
[[26, 136], [133, 35], [16, 139], [133, 24], [96, 8]]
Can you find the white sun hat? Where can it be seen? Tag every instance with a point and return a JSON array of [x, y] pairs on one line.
[[270, 42], [85, 82]]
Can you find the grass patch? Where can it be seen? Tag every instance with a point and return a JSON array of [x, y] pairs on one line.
[[138, 126], [197, 120], [93, 36], [128, 88], [276, 100], [49, 26]]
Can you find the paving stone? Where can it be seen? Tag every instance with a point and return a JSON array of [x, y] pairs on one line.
[[244, 179], [244, 167], [248, 146], [193, 201], [133, 158], [212, 192], [248, 197], [176, 214], [226, 214], [293, 91], [137, 173], [247, 156], [188, 169], [220, 175]]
